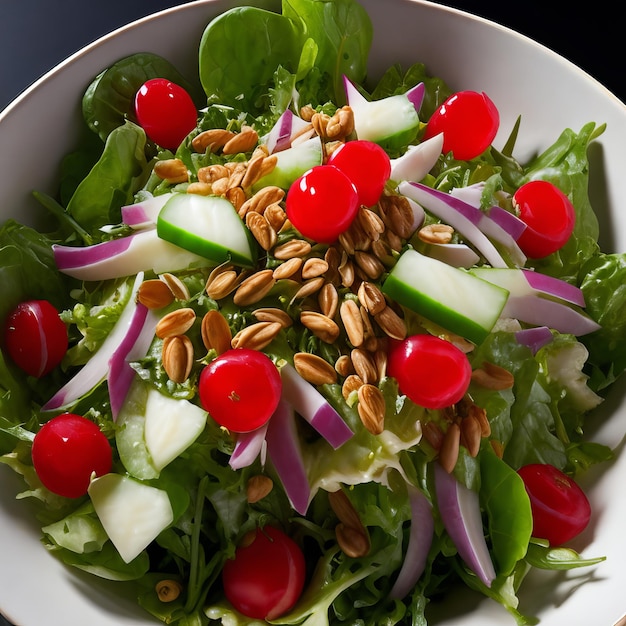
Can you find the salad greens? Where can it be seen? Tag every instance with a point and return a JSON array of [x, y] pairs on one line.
[[253, 65]]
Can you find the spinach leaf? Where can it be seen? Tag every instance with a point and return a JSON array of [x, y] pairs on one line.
[[118, 174], [109, 99], [342, 31], [239, 53], [504, 497]]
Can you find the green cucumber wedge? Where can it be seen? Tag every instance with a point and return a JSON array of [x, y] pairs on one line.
[[448, 296], [292, 163], [208, 226], [153, 429]]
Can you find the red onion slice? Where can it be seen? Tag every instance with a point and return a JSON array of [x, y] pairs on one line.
[[313, 407], [248, 447], [96, 369], [534, 338], [144, 214], [462, 519], [285, 454], [461, 216], [134, 346], [540, 311], [420, 540]]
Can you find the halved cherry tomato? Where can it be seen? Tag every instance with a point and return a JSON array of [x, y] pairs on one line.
[[66, 451], [430, 371], [560, 508], [240, 389], [469, 122], [165, 111], [322, 203], [367, 165], [549, 216], [266, 577], [35, 337]]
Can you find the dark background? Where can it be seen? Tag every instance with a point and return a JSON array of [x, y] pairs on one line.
[[35, 35]]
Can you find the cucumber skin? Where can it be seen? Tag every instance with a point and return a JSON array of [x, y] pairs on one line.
[[207, 248], [433, 310], [403, 285]]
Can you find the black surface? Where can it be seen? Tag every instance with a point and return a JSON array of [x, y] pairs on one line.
[[35, 35], [590, 35]]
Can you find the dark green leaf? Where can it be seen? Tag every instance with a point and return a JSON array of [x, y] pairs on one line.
[[240, 51], [109, 99], [112, 182], [504, 497]]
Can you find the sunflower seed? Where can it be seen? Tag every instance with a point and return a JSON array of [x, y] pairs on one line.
[[154, 294], [321, 326], [371, 408], [177, 357], [256, 336], [254, 288], [175, 323], [215, 332], [314, 369]]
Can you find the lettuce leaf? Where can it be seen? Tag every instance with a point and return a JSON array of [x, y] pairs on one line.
[[112, 182], [604, 287]]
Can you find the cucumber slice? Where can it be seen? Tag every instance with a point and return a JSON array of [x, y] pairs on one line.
[[129, 434], [153, 429], [292, 163], [208, 226], [391, 122], [172, 425], [132, 513], [452, 298]]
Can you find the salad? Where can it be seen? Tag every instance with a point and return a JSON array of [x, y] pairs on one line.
[[300, 348]]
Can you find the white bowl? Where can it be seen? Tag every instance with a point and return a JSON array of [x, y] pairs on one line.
[[523, 78]]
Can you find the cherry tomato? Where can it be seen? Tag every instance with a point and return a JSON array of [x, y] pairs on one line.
[[165, 111], [430, 371], [35, 337], [322, 203], [559, 506], [240, 389], [469, 122], [266, 577], [549, 217], [367, 165], [66, 451]]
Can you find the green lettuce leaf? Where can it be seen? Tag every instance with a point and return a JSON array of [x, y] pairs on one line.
[[112, 182]]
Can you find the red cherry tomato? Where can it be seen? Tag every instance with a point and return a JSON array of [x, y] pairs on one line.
[[66, 451], [549, 216], [35, 337], [322, 203], [240, 389], [367, 165], [266, 577], [469, 122], [559, 506], [430, 371], [165, 111]]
